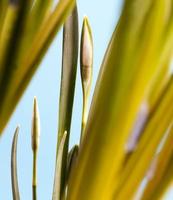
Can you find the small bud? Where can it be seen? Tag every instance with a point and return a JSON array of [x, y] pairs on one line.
[[86, 55], [35, 126]]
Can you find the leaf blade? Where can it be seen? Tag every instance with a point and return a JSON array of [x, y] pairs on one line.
[[57, 188], [21, 78], [14, 179], [116, 101]]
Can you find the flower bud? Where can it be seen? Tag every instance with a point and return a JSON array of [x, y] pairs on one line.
[[86, 56], [35, 126]]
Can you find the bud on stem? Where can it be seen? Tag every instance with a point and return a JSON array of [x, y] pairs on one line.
[[35, 127], [35, 145], [86, 68]]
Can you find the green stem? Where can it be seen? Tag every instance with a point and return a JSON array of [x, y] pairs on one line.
[[84, 115], [34, 192], [34, 180]]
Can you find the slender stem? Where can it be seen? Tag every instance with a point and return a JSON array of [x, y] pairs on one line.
[[34, 192], [84, 115], [34, 180]]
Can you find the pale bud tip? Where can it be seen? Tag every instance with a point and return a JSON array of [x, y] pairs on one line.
[[18, 126], [35, 107], [65, 133], [35, 101], [85, 18], [17, 129]]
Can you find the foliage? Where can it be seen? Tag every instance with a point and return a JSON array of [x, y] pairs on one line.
[[126, 149]]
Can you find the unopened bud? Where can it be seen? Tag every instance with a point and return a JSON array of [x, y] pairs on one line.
[[86, 55], [35, 126]]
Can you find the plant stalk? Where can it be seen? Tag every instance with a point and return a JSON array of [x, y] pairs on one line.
[[84, 115], [34, 177]]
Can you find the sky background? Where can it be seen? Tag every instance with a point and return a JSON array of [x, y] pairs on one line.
[[103, 16]]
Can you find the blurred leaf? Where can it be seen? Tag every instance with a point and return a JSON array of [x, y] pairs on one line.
[[10, 40], [161, 162], [149, 105], [21, 77], [3, 7], [137, 166], [11, 24], [16, 17], [165, 183], [38, 14], [14, 181], [159, 82], [141, 43]]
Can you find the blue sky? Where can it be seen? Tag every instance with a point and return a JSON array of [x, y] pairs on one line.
[[45, 85]]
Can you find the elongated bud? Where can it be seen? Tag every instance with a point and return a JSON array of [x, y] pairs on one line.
[[35, 126], [86, 55], [86, 68]]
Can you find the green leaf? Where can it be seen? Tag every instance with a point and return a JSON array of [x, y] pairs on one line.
[[3, 7], [57, 188], [38, 14], [40, 11], [161, 162], [17, 18], [68, 79], [14, 179], [72, 156], [165, 183], [23, 73], [68, 75], [138, 165], [148, 107], [140, 45], [10, 40], [10, 36]]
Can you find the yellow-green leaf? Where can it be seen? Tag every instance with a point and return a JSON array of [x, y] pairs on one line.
[[140, 45]]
